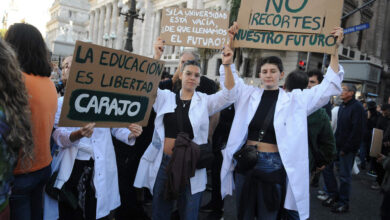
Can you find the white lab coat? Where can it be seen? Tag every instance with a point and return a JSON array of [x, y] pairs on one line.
[[105, 177], [290, 122], [201, 107]]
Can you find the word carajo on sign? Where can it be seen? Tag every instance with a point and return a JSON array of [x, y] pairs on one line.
[[92, 105]]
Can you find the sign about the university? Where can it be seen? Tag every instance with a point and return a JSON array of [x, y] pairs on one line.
[[110, 87], [195, 28], [298, 25]]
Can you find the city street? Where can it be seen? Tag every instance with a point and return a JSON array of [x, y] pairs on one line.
[[364, 203]]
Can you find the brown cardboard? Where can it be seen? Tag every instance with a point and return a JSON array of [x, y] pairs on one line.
[[110, 87], [376, 142], [289, 38], [194, 28]]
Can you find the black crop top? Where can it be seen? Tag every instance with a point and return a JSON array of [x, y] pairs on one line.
[[268, 98], [171, 123]]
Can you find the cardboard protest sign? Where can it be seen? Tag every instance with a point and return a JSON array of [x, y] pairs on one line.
[[110, 87], [195, 28], [303, 25], [376, 142]]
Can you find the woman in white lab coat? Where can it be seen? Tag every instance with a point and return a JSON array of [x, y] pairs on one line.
[[196, 108], [283, 150]]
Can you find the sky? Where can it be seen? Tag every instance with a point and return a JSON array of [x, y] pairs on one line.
[[34, 12]]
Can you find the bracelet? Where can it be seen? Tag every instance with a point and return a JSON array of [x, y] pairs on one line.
[[226, 64]]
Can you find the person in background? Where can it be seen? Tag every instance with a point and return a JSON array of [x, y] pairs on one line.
[[220, 137], [382, 124], [165, 76], [385, 162], [15, 129], [372, 118], [322, 148], [26, 198], [315, 78], [66, 64], [349, 135]]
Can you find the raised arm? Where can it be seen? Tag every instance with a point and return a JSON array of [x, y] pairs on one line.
[[319, 95], [338, 32]]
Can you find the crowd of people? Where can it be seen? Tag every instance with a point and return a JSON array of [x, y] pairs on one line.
[[264, 144]]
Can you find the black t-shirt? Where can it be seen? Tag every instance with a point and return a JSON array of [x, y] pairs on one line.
[[268, 98], [171, 120]]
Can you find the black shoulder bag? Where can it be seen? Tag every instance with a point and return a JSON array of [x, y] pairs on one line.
[[246, 157], [206, 157]]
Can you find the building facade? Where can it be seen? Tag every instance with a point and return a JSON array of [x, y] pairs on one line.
[[107, 27], [68, 23]]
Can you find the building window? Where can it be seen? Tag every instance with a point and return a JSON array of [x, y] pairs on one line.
[[70, 13], [219, 63], [258, 68], [352, 54], [205, 65], [248, 68]]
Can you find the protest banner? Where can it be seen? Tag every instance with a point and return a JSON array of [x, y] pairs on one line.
[[376, 142], [110, 87], [303, 25], [195, 28]]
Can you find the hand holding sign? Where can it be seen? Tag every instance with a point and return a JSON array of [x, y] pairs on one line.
[[227, 55], [158, 47], [380, 158], [136, 130], [233, 30], [338, 33], [85, 131]]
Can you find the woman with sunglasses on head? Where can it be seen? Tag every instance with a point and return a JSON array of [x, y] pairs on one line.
[[193, 109]]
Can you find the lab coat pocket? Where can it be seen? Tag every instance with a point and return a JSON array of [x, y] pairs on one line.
[[151, 153]]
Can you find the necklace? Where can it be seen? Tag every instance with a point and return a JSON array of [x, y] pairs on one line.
[[185, 102]]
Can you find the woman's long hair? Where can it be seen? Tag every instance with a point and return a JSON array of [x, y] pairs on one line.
[[30, 48], [14, 101]]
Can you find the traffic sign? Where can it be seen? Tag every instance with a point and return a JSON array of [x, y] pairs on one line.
[[356, 28]]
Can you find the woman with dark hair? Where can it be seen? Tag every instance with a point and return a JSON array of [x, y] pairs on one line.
[[31, 51], [270, 129], [187, 111], [16, 138]]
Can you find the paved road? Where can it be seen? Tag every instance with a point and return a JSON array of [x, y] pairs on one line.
[[364, 203]]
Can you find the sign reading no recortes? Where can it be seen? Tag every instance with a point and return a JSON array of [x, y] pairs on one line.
[[195, 28], [110, 87], [298, 25]]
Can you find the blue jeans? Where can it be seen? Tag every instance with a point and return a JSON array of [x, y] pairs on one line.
[[341, 193], [27, 194], [363, 153], [266, 162], [187, 203]]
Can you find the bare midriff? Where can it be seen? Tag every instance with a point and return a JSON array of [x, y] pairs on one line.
[[168, 145], [263, 147]]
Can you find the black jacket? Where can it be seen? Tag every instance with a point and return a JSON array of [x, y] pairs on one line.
[[350, 126]]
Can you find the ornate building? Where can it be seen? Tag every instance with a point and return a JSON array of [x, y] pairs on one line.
[[68, 23]]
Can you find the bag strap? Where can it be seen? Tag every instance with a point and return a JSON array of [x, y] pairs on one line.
[[267, 121], [179, 113]]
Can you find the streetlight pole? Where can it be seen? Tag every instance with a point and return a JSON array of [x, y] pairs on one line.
[[129, 40], [131, 15]]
